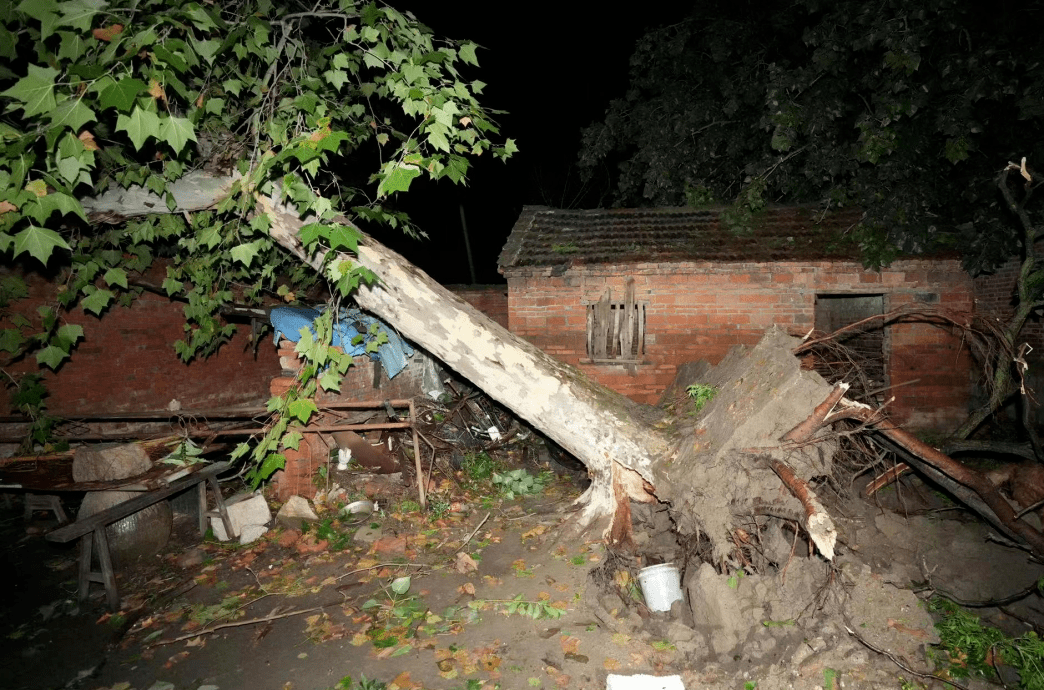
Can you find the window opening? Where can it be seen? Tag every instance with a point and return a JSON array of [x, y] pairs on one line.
[[616, 329]]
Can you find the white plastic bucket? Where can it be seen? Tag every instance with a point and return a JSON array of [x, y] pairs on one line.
[[661, 586]]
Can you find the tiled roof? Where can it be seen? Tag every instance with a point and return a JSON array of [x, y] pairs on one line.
[[555, 237]]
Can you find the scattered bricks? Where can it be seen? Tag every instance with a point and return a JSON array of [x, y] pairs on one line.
[[309, 544], [289, 537], [390, 546]]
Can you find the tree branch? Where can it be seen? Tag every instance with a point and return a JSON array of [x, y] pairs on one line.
[[922, 453]]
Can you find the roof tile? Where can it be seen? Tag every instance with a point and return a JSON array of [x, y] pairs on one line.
[[552, 237]]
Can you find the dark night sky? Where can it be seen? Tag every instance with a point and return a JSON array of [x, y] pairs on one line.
[[554, 67]]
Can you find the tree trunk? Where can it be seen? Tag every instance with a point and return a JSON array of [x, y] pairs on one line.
[[612, 435], [761, 427]]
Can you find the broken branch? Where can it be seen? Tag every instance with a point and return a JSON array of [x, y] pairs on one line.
[[804, 431], [966, 476], [817, 520]]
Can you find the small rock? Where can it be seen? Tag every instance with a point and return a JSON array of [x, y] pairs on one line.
[[251, 533], [191, 558], [367, 534], [295, 512], [677, 632], [243, 509], [681, 612]]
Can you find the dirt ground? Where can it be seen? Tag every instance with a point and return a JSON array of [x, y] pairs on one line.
[[517, 610]]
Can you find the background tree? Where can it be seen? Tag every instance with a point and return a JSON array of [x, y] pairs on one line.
[[908, 111], [333, 107]]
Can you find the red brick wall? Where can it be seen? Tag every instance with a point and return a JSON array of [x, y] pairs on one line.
[[356, 386], [700, 310], [126, 362], [994, 295], [491, 300]]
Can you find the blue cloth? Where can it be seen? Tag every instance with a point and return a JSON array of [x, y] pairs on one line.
[[351, 333]]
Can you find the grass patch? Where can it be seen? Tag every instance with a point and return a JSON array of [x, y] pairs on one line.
[[969, 648], [700, 395], [479, 466]]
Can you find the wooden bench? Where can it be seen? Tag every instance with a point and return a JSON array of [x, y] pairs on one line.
[[91, 530]]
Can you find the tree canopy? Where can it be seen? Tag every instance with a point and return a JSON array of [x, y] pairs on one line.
[[332, 107], [906, 110]]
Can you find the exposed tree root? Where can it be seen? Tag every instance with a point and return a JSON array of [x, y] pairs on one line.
[[919, 454], [804, 431], [817, 520]]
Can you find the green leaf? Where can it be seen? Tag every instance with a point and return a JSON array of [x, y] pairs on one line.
[[57, 201], [72, 113], [172, 286], [122, 94], [72, 46], [38, 9], [336, 77], [398, 180], [310, 233], [35, 91], [39, 242], [200, 17], [79, 14], [97, 301], [69, 169], [401, 585], [467, 54], [51, 356], [342, 236], [177, 131], [244, 253], [169, 58], [116, 276], [11, 340], [437, 138], [302, 410], [206, 49], [139, 126], [330, 380], [70, 333], [292, 439]]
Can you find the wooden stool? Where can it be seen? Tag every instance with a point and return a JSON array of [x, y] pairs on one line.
[[49, 502]]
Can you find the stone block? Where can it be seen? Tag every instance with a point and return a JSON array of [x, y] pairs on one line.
[[243, 509]]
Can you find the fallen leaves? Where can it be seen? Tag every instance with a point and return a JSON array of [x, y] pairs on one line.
[[535, 532], [180, 656], [465, 564], [320, 628], [108, 33]]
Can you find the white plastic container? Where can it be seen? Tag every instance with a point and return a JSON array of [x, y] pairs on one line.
[[661, 586]]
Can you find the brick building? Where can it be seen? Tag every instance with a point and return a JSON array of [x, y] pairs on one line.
[[628, 295]]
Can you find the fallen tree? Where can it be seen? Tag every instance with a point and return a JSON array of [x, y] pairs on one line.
[[766, 429]]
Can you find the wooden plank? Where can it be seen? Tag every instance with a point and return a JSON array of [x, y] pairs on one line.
[[613, 350], [640, 350], [591, 328], [627, 334], [122, 510], [602, 325]]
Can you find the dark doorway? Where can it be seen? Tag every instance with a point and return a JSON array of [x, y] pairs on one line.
[[862, 364]]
